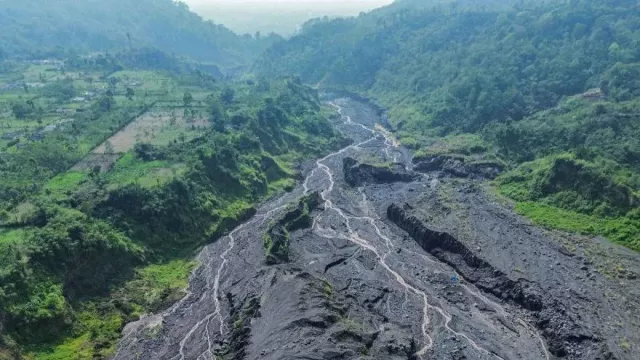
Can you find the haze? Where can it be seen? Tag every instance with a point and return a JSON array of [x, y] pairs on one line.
[[280, 16]]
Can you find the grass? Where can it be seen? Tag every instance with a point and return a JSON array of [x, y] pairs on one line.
[[149, 80], [160, 176], [282, 185], [173, 275], [93, 327], [569, 194], [65, 182], [168, 135], [624, 230], [79, 348], [33, 72], [228, 217], [353, 325], [130, 170], [11, 125], [465, 144], [158, 285], [327, 288]]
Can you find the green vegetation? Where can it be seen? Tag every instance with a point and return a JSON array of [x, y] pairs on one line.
[[105, 199], [570, 183], [119, 163], [97, 324], [625, 345], [455, 69], [276, 240], [158, 285], [546, 89], [623, 230], [147, 174], [40, 29], [327, 288]]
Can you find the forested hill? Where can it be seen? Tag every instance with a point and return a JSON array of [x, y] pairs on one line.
[[37, 28], [465, 66], [553, 82]]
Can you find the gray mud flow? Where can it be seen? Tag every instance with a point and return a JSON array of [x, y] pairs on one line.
[[388, 263]]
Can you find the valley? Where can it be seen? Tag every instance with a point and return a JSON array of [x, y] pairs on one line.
[[431, 179], [357, 286]]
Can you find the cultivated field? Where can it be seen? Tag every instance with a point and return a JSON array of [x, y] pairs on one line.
[[158, 127]]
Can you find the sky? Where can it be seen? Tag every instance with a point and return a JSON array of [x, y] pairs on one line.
[[280, 16]]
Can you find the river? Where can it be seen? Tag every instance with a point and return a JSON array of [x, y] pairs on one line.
[[356, 287]]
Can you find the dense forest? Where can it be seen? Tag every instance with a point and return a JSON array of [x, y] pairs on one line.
[[553, 82], [40, 28]]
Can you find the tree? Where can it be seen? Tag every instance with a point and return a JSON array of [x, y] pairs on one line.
[[220, 125], [21, 110], [263, 85], [4, 216], [108, 148], [187, 99], [216, 111], [130, 93], [62, 90], [95, 171], [227, 95], [106, 103]]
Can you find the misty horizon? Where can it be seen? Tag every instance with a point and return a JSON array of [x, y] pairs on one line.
[[280, 16]]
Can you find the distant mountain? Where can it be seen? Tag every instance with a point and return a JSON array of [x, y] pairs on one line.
[[36, 28], [283, 17]]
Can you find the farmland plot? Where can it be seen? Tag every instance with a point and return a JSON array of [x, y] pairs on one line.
[[158, 127]]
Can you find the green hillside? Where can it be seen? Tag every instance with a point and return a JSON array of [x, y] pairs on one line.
[[114, 177], [41, 28], [535, 80]]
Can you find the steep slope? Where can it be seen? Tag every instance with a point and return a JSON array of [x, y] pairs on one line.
[[536, 80], [38, 28]]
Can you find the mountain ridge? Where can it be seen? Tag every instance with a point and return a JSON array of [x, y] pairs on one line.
[[37, 28]]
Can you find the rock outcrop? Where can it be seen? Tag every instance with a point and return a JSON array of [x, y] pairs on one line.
[[358, 174], [276, 240], [563, 333], [458, 167]]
